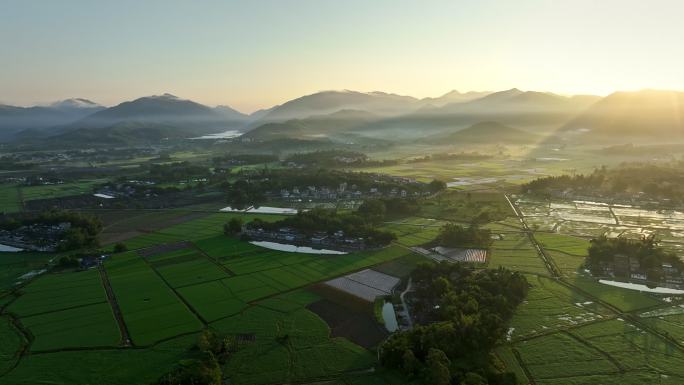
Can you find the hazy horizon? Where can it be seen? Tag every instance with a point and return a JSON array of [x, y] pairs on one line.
[[259, 54], [48, 103]]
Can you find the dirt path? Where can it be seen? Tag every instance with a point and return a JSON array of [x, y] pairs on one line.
[[403, 303], [111, 298], [530, 234]]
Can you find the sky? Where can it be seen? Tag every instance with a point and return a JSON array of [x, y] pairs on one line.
[[253, 54]]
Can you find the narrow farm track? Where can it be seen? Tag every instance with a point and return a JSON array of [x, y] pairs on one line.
[[111, 298], [550, 266]]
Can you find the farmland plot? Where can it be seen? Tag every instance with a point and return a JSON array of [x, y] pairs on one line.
[[60, 190], [669, 321], [58, 291], [305, 353], [9, 198], [607, 352], [201, 228], [14, 266], [516, 252], [550, 305], [562, 356], [152, 311], [110, 366], [624, 299], [10, 344], [86, 326]]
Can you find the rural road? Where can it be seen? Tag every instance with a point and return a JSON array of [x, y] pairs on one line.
[[403, 302]]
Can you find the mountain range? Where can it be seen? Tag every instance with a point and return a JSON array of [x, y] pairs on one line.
[[646, 113]]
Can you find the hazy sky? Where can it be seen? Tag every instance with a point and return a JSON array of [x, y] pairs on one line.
[[256, 53]]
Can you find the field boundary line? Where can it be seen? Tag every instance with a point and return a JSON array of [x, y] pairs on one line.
[[586, 343], [114, 305], [58, 310], [566, 328], [213, 260], [524, 367], [176, 293], [27, 340]]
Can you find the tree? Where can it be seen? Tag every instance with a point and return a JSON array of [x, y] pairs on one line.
[[437, 185], [410, 364], [120, 248], [67, 262], [473, 379], [437, 368], [233, 226], [373, 210]]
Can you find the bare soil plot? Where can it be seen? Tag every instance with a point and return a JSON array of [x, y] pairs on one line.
[[358, 327]]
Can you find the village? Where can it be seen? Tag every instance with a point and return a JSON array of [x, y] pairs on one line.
[[35, 237], [319, 240]]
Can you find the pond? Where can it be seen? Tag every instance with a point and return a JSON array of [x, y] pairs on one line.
[[640, 287], [389, 317], [295, 249], [221, 135], [261, 210], [9, 249]]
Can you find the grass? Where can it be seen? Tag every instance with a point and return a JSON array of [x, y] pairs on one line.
[[507, 357], [196, 229], [15, 265], [10, 344], [671, 325], [111, 366], [290, 345], [95, 325], [402, 266], [152, 311], [9, 198], [568, 265], [634, 348], [60, 190], [517, 260], [563, 243], [560, 355], [414, 233], [551, 306], [624, 299], [464, 207], [191, 272], [59, 291], [607, 352]]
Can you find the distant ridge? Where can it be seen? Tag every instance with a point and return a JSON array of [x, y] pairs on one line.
[[657, 115], [488, 132]]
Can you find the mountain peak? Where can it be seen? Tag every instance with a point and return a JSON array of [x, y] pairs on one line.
[[74, 103]]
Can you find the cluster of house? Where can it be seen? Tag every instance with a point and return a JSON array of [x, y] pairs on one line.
[[36, 237], [90, 261], [336, 241], [134, 188], [630, 267], [344, 191]]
